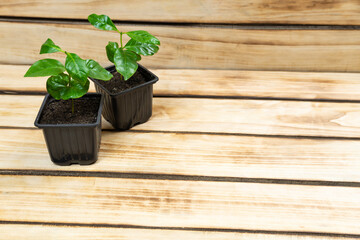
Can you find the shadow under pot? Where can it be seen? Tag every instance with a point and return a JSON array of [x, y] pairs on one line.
[[72, 138], [127, 103]]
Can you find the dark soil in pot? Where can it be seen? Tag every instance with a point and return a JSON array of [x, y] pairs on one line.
[[72, 138], [60, 112], [116, 84]]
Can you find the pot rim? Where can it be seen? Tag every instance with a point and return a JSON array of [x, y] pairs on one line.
[[67, 125]]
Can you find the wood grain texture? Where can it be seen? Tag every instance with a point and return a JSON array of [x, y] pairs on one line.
[[195, 47], [290, 118], [196, 155], [326, 12], [27, 232], [304, 85], [170, 203]]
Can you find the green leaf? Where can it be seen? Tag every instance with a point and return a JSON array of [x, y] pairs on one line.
[[45, 67], [49, 47], [143, 37], [102, 22], [56, 85], [145, 49], [63, 87], [125, 62], [110, 50], [138, 57], [97, 71], [76, 67]]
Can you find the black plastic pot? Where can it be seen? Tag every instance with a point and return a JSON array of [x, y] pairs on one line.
[[72, 143], [130, 107]]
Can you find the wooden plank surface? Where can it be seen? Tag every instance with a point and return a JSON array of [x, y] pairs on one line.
[[304, 85], [170, 203], [237, 116], [195, 47], [196, 155], [204, 11], [44, 232]]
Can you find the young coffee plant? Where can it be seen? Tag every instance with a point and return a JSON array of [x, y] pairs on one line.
[[125, 57], [69, 81]]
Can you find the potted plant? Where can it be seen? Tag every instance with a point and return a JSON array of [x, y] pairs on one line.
[[70, 118], [128, 95]]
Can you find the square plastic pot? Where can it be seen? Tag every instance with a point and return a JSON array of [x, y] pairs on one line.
[[72, 143], [130, 107]]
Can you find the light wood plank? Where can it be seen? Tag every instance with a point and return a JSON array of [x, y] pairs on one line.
[[180, 203], [290, 118], [304, 85], [27, 232], [195, 47], [196, 155], [204, 11]]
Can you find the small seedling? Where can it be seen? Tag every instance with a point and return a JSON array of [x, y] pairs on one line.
[[70, 85], [125, 57]]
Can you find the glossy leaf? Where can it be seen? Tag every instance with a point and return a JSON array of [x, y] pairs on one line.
[[45, 67], [102, 22], [145, 49], [110, 50], [143, 37], [76, 67], [138, 57], [56, 85], [125, 63], [49, 47], [97, 71], [63, 87]]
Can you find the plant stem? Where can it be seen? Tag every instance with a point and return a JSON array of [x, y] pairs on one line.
[[121, 44], [72, 106], [72, 100], [121, 39]]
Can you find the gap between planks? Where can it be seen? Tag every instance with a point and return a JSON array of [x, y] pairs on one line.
[[206, 11], [245, 26], [172, 177], [59, 231], [42, 93]]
